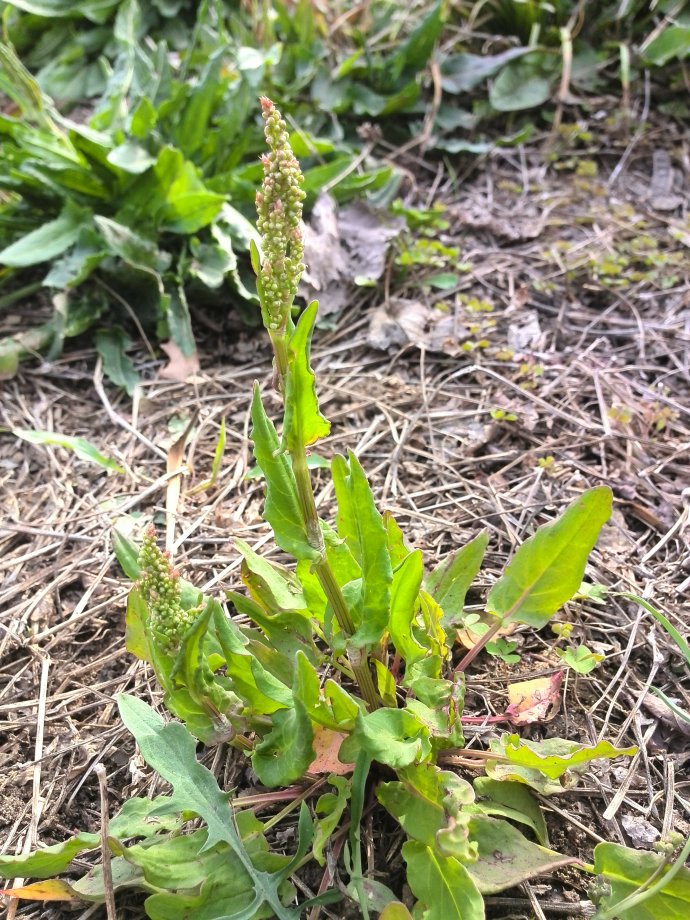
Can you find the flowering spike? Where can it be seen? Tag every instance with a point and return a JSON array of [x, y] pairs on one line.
[[279, 209], [159, 584]]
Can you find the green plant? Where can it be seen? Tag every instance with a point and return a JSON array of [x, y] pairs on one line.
[[350, 651]]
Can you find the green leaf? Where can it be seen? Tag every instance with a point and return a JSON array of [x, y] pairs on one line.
[[81, 447], [282, 510], [449, 582], [127, 554], [286, 751], [510, 800], [407, 581], [396, 910], [580, 659], [682, 644], [626, 870], [418, 47], [304, 424], [171, 751], [362, 528], [329, 810], [443, 885], [48, 241], [552, 758], [332, 706], [546, 571], [523, 84], [136, 632], [506, 857], [49, 861], [131, 157], [461, 73], [273, 586], [112, 345], [131, 247], [672, 42], [391, 736]]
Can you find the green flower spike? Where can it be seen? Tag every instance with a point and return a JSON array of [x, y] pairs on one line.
[[279, 209], [159, 584]]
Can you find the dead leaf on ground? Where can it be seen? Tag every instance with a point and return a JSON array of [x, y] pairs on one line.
[[180, 367], [640, 831], [535, 700], [326, 744], [403, 322], [342, 246]]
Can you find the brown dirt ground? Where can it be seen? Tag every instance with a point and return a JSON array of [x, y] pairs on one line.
[[586, 344]]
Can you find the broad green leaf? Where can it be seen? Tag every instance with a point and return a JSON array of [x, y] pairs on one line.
[[131, 247], [127, 554], [407, 581], [626, 870], [510, 800], [523, 84], [391, 736], [81, 447], [329, 810], [506, 857], [48, 241], [304, 423], [672, 42], [546, 571], [442, 884], [282, 510], [112, 345], [286, 751], [554, 757], [362, 528], [131, 157], [449, 582], [171, 751], [461, 73]]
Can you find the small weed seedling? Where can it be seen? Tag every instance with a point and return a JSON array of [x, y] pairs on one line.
[[345, 668]]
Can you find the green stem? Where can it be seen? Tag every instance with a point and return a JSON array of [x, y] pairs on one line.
[[322, 568]]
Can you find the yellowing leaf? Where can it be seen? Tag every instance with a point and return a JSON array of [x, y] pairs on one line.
[[535, 700], [326, 745], [50, 890]]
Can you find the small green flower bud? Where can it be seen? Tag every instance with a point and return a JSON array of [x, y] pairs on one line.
[[159, 585], [279, 210]]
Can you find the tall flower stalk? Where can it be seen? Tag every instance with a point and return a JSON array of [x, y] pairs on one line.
[[279, 269]]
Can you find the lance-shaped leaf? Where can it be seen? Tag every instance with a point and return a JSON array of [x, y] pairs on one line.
[[304, 423], [362, 528], [271, 585], [449, 581], [407, 581], [282, 510], [171, 751], [547, 569], [442, 884]]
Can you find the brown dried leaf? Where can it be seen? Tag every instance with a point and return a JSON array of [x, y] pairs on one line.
[[180, 367], [326, 744]]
